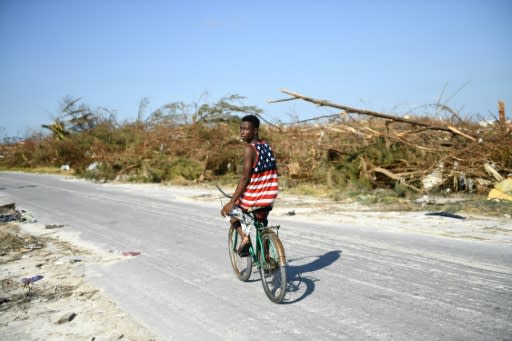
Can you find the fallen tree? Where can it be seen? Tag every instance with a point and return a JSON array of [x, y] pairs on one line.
[[466, 152]]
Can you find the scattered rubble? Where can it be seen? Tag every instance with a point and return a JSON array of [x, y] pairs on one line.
[[446, 214], [68, 317], [502, 190], [131, 253], [53, 226], [56, 303], [8, 213], [27, 281]]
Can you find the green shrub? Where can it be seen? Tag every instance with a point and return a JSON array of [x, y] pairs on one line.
[[182, 167]]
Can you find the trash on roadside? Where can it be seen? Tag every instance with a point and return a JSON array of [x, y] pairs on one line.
[[502, 190], [29, 280], [27, 217], [506, 185], [482, 183], [64, 168], [92, 167], [291, 213], [131, 253], [446, 214], [7, 208], [6, 218], [53, 226], [68, 317], [498, 195], [434, 179], [490, 168], [9, 213]]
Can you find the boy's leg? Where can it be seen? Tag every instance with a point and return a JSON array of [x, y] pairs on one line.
[[262, 216], [245, 239], [235, 223]]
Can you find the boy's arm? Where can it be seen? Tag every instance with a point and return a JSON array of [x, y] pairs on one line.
[[249, 155]]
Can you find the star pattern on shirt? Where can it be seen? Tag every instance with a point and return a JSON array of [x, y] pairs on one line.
[[266, 160]]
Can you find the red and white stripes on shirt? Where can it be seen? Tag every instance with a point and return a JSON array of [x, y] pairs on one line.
[[263, 186]]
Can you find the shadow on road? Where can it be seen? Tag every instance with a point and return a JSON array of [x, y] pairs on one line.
[[303, 286]]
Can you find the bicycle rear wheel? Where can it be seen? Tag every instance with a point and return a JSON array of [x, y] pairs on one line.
[[272, 263], [242, 266]]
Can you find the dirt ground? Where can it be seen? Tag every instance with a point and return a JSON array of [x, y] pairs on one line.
[[61, 305]]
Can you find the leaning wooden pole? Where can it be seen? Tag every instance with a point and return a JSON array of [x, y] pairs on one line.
[[351, 110], [505, 127], [348, 109]]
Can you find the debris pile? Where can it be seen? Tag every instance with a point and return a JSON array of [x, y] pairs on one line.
[[422, 154], [351, 148], [9, 213]]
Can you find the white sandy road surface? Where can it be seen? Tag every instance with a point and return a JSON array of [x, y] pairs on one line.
[[62, 305], [354, 274]]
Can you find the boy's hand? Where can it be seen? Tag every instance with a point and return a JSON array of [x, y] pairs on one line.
[[227, 208]]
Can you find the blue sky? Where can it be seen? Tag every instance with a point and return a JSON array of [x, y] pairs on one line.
[[387, 56]]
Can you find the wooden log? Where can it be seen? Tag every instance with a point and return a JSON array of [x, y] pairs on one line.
[[348, 109], [505, 127], [457, 131], [394, 177], [501, 113]]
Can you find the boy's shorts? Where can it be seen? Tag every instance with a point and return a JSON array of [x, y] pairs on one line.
[[260, 213]]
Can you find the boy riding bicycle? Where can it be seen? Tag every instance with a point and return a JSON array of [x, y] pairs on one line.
[[258, 186]]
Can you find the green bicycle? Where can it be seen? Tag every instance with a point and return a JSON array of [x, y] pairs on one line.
[[267, 254]]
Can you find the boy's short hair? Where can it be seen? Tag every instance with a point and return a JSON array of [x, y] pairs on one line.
[[255, 121]]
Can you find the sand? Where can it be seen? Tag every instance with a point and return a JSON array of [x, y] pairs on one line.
[[61, 305]]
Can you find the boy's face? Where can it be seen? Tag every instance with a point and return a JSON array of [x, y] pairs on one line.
[[247, 131]]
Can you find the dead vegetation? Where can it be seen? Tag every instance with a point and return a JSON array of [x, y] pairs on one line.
[[422, 154], [352, 150], [13, 245]]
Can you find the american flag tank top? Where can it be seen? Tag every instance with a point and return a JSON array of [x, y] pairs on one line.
[[263, 185]]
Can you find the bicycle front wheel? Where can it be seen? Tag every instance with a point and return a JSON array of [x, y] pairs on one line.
[[272, 263], [242, 266]]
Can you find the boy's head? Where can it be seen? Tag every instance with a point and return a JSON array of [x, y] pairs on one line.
[[254, 120], [249, 127]]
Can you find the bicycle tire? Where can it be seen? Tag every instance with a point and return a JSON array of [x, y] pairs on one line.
[[273, 267], [242, 266]]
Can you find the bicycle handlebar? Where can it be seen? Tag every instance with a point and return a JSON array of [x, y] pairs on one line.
[[223, 193]]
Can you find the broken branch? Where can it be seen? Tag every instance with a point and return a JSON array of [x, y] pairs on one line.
[[348, 109], [394, 177]]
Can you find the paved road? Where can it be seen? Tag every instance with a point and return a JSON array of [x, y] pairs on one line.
[[346, 282]]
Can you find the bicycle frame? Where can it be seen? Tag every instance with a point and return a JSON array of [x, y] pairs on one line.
[[254, 250]]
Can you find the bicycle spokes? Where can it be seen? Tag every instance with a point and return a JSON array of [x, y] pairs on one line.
[[242, 266], [272, 271]]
